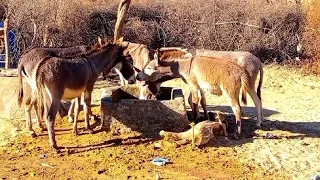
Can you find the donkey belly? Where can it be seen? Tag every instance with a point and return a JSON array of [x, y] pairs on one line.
[[207, 87], [70, 94]]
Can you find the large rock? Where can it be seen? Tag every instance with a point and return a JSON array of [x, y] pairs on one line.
[[123, 112]]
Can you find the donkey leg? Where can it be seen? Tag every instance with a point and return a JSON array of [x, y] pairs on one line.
[[29, 120], [232, 95], [258, 105], [237, 112], [87, 107], [190, 101], [39, 113], [203, 103], [122, 80], [52, 109], [195, 101], [76, 103], [70, 111]]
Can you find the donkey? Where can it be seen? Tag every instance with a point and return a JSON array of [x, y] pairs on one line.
[[27, 61], [204, 74], [31, 57], [244, 59], [55, 79]]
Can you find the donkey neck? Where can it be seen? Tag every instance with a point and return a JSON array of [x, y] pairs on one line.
[[180, 67], [103, 59]]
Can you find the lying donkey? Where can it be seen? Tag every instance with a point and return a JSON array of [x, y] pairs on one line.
[[204, 74]]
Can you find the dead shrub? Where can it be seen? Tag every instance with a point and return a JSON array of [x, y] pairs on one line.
[[312, 39], [267, 29]]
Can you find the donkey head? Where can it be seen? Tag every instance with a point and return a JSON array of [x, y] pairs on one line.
[[153, 71]]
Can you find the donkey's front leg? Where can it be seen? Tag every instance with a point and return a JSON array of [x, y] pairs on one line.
[[203, 103], [87, 108], [194, 102]]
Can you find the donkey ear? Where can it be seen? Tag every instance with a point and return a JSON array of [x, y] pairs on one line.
[[100, 41], [119, 41], [138, 70], [156, 58]]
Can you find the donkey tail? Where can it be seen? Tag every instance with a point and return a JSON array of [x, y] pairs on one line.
[[260, 82], [38, 85], [244, 97], [20, 85], [244, 86]]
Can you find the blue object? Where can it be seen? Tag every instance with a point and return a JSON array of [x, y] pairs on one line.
[[160, 161], [11, 41]]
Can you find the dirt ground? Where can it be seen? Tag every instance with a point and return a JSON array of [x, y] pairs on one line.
[[285, 147]]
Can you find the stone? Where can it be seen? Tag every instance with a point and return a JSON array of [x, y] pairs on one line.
[[123, 112]]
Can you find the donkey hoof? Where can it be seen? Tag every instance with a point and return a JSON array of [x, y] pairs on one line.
[[258, 125], [42, 129], [75, 132], [90, 131], [33, 134], [236, 136], [55, 150], [70, 119]]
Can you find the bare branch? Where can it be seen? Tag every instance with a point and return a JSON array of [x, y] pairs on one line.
[[122, 11]]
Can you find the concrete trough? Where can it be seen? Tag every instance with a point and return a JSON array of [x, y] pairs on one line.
[[124, 113]]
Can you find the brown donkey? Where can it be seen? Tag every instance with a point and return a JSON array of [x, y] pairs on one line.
[[27, 62], [204, 74], [55, 79], [30, 58], [246, 60]]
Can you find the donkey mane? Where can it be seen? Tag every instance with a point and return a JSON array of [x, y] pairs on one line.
[[93, 51]]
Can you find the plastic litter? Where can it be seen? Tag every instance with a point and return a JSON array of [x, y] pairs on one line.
[[271, 136], [160, 161]]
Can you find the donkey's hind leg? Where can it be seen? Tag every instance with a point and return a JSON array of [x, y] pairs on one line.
[[29, 103], [51, 107], [29, 120], [232, 95], [70, 111], [39, 114], [258, 105], [87, 107], [76, 103]]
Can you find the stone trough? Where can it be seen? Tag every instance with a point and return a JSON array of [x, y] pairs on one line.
[[124, 113]]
